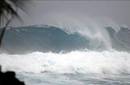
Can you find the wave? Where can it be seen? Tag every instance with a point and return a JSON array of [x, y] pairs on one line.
[[45, 38], [106, 62]]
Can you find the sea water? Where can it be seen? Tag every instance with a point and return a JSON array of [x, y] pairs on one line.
[[68, 52]]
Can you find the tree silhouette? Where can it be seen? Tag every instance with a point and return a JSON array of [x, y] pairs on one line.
[[8, 11]]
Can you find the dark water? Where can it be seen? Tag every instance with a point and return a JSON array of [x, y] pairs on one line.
[[50, 38]]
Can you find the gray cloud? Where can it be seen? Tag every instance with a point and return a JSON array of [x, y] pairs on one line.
[[117, 11]]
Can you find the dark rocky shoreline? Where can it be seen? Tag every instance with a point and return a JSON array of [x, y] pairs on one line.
[[9, 78]]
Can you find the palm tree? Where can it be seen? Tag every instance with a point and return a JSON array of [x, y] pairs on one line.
[[8, 11]]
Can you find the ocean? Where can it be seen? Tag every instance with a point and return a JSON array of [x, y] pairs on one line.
[[53, 55]]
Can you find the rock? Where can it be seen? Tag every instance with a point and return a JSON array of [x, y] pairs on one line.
[[9, 78]]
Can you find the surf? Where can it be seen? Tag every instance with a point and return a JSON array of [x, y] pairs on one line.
[[106, 62]]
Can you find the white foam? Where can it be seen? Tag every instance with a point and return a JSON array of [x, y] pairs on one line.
[[77, 61]]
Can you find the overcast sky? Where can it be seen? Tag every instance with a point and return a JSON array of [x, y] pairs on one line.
[[41, 11]]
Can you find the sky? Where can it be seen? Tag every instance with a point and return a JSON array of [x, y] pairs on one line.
[[103, 11]]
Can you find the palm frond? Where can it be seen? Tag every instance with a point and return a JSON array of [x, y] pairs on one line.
[[9, 8]]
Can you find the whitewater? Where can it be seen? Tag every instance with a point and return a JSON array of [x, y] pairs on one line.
[[94, 68], [105, 62]]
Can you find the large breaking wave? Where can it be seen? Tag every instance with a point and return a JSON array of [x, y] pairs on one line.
[[67, 47], [46, 38]]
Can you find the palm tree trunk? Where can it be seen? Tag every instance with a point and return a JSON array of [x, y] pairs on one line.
[[3, 31]]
